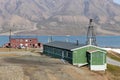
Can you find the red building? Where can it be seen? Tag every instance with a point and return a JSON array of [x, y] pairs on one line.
[[24, 43]]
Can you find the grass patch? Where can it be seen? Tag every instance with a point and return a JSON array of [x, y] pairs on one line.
[[115, 71], [113, 55]]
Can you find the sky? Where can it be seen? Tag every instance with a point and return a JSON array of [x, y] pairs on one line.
[[117, 1]]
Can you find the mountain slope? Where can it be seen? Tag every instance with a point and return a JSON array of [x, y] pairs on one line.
[[59, 17]]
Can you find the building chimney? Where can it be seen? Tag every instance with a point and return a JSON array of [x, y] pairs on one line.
[[91, 20], [77, 42]]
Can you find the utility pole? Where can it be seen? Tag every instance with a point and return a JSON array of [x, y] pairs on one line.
[[50, 39], [91, 37], [10, 41]]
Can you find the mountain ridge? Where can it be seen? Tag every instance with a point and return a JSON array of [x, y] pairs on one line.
[[59, 17]]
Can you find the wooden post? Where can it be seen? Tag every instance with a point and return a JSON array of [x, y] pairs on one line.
[[10, 41]]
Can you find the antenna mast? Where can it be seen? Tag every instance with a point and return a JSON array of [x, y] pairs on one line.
[[91, 37]]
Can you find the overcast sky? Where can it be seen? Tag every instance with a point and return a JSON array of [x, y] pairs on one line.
[[117, 1]]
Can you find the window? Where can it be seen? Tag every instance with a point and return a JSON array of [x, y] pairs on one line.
[[26, 45], [63, 55], [26, 40], [69, 54]]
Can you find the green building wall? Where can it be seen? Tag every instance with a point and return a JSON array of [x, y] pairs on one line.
[[75, 56], [79, 55], [98, 58]]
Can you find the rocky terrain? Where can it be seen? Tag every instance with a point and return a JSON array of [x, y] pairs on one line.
[[59, 17]]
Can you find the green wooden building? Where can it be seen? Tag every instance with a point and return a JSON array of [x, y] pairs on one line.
[[96, 59], [74, 53]]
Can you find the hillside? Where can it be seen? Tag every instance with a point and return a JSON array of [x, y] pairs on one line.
[[59, 17], [26, 65]]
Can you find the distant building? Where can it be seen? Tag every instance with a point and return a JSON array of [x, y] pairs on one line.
[[77, 54], [24, 43]]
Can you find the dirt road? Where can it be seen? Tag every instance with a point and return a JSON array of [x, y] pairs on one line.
[[113, 62]]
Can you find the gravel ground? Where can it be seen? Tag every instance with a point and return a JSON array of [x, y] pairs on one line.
[[33, 67], [11, 73], [19, 53]]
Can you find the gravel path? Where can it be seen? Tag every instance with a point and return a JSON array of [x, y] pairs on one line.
[[113, 62]]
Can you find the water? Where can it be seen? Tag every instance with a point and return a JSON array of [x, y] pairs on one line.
[[102, 41]]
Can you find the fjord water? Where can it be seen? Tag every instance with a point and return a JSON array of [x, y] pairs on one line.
[[102, 41]]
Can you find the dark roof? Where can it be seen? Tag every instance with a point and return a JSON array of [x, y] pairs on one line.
[[64, 45]]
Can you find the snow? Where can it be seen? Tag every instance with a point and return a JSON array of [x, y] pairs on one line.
[[112, 49]]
